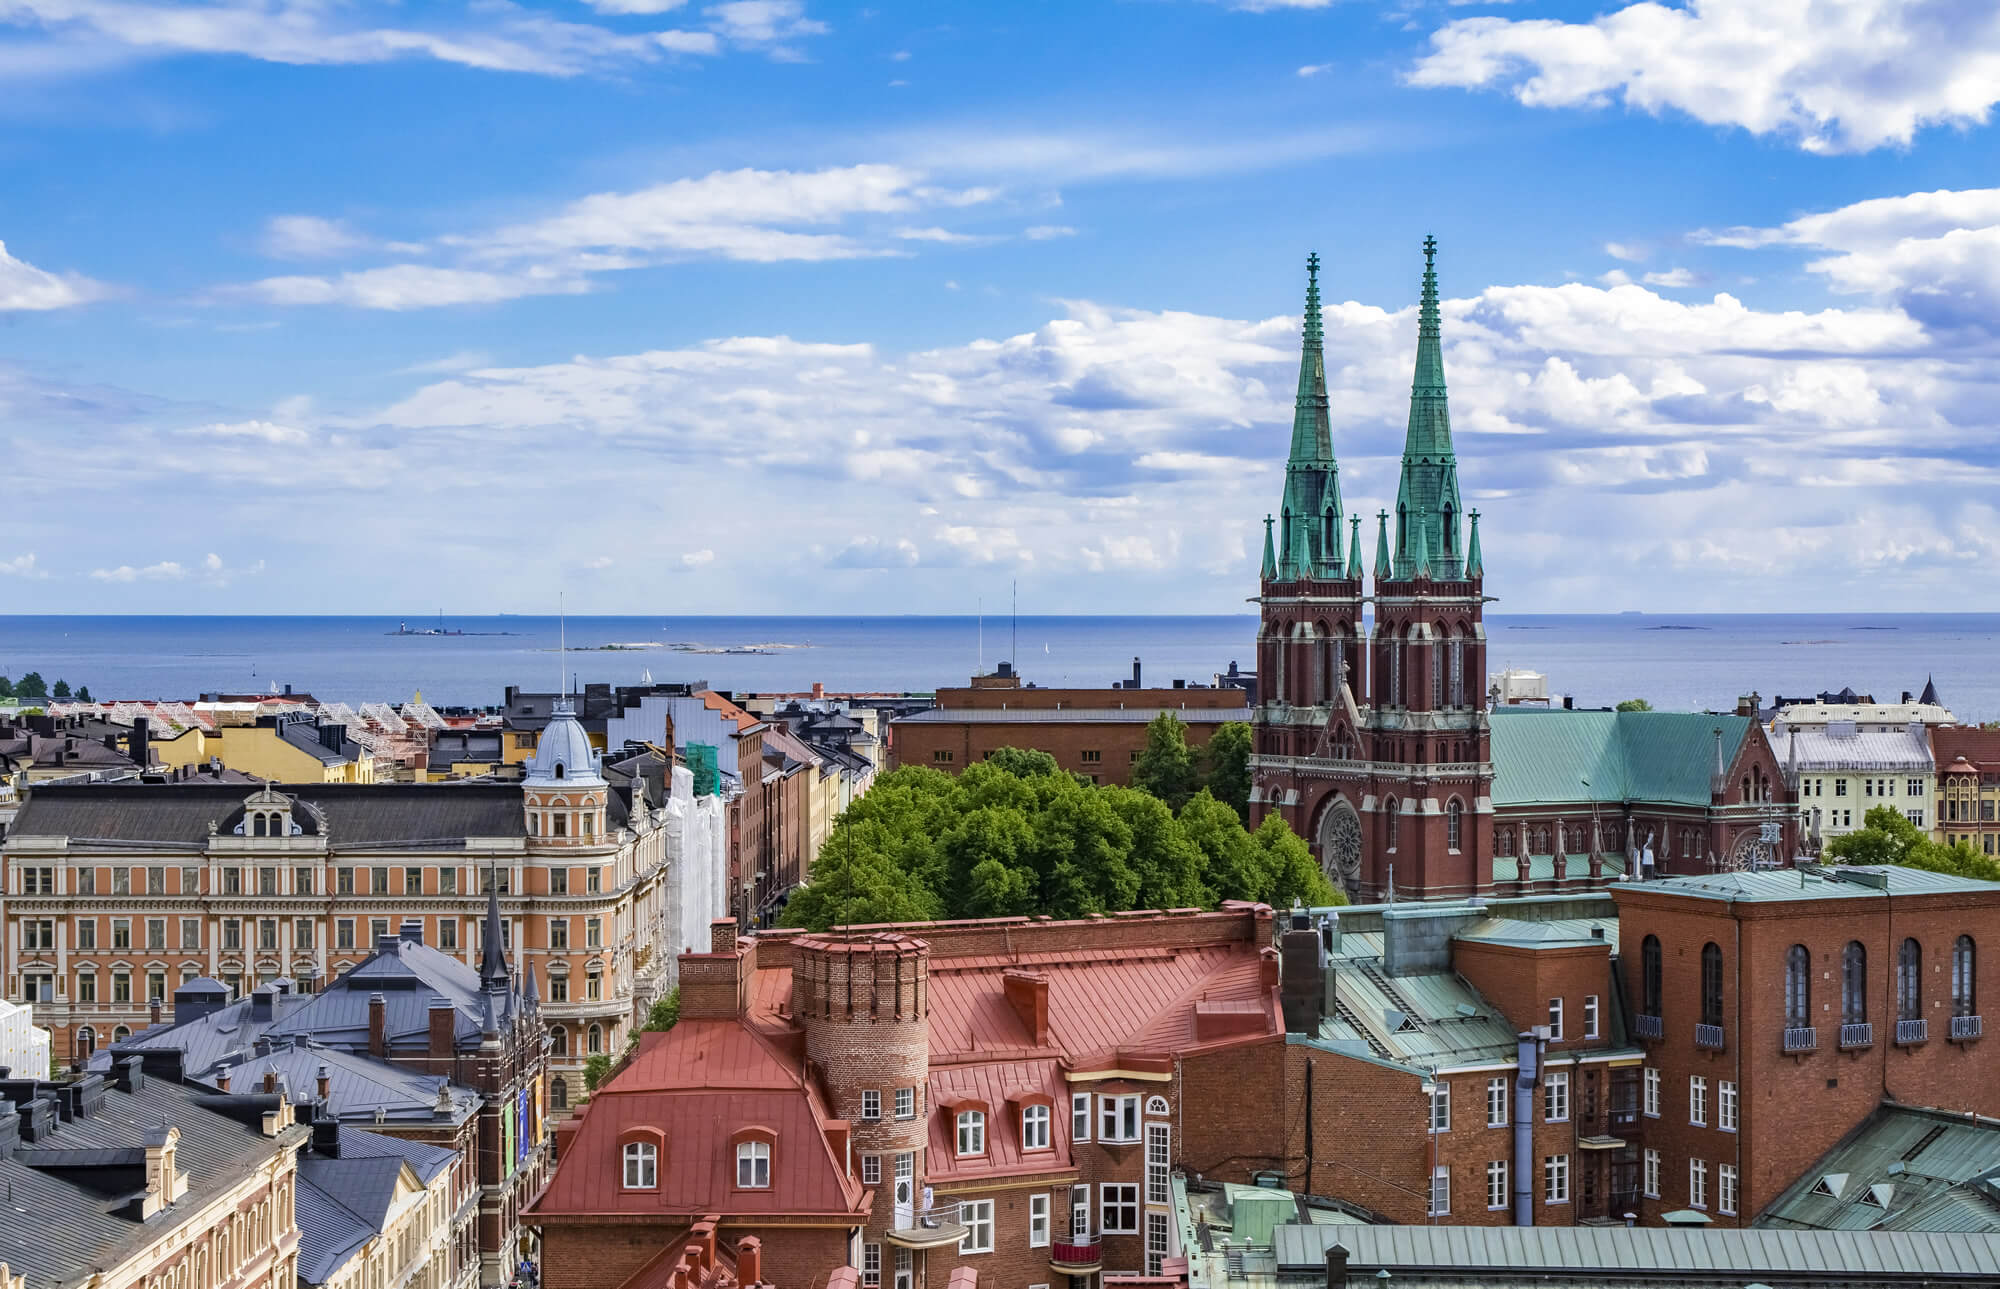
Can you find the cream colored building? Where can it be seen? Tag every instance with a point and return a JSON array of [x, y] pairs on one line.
[[385, 1211], [1841, 772], [288, 747]]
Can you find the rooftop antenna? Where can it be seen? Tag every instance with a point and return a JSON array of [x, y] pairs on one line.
[[562, 647]]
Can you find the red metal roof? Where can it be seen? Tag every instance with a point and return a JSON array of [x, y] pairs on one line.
[[1979, 746]]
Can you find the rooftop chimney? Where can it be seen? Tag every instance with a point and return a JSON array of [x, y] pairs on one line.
[[378, 1025], [325, 1085], [326, 1137], [1028, 994], [1336, 1267], [749, 1261], [412, 930], [443, 1021]]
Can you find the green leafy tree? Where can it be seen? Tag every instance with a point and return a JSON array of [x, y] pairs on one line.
[[62, 689], [1886, 836], [6, 687], [595, 1071], [1165, 766], [1024, 763], [1295, 875], [1228, 759], [32, 686], [1635, 705], [83, 694], [665, 1013]]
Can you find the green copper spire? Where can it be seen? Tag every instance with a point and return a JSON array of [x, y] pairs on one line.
[[1427, 501], [1474, 565], [1354, 565], [1382, 545], [1423, 573], [1271, 560], [1310, 545]]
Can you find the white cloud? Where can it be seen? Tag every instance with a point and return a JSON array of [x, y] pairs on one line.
[[636, 6], [697, 559], [1615, 277], [1620, 251], [410, 286], [166, 571], [763, 24], [259, 431], [308, 237], [1314, 69], [1047, 232], [21, 566], [1830, 76], [25, 287], [1675, 277]]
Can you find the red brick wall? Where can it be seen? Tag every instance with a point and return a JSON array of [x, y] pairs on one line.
[[1521, 982], [1115, 743], [1167, 698], [1232, 1111]]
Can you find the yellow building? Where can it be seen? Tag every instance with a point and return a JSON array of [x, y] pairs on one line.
[[286, 748]]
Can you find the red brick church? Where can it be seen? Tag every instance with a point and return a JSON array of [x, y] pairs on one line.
[[1373, 740]]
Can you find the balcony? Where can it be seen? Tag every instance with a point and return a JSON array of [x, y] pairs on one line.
[[928, 1228], [1909, 1033], [1644, 1026], [1079, 1255], [1857, 1035], [1799, 1039], [1964, 1028], [1708, 1037]]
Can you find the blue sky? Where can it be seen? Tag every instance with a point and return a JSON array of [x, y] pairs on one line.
[[782, 305]]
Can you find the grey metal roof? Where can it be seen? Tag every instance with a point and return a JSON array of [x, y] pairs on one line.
[[1422, 1020], [355, 814], [1903, 1169], [1848, 882], [1542, 934], [1070, 715], [1602, 1255], [1820, 750]]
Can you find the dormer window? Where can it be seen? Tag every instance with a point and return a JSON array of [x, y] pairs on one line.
[[1035, 1127], [971, 1132], [642, 1166], [559, 770], [753, 1165]]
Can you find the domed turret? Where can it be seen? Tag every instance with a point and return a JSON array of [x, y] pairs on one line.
[[565, 794], [563, 755]]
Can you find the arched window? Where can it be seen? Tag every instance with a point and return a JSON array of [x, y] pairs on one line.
[[1711, 984], [1503, 843], [642, 1166], [1910, 981], [753, 1164], [1440, 663], [1394, 822], [1156, 1108], [558, 1040], [1538, 840], [1649, 976], [258, 826], [1798, 987], [971, 1132], [121, 1033], [1854, 984], [559, 1093], [1964, 1000], [1454, 823], [559, 769], [595, 1039]]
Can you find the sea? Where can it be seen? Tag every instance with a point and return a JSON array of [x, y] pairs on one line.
[[1674, 661]]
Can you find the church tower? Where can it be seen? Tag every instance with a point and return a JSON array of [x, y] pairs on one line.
[[1386, 771]]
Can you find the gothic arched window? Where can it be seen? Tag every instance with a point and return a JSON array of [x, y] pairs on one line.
[[1909, 981], [1453, 823], [1964, 1001], [1711, 984], [1649, 976], [1854, 984], [1798, 987], [1394, 822]]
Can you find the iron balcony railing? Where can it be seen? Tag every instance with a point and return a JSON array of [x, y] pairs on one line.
[[1709, 1037], [1648, 1026], [1858, 1034], [1801, 1038], [1965, 1027], [1910, 1032]]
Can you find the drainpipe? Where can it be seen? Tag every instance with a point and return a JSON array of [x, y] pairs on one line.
[[1528, 1052]]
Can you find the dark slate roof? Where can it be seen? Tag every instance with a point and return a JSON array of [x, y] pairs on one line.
[[55, 1231], [375, 814], [343, 1200]]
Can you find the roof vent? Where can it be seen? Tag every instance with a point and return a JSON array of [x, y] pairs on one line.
[[1830, 1185]]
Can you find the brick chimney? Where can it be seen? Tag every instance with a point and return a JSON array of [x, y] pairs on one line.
[[325, 1085], [1028, 994], [443, 1019], [749, 1261], [378, 1025]]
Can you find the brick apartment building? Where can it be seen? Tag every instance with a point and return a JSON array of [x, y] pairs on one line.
[[1779, 1010], [1097, 733], [1003, 1096], [1968, 785]]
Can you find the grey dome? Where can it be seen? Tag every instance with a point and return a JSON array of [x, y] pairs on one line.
[[563, 755]]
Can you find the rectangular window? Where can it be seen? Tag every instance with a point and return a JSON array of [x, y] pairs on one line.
[[156, 933], [593, 986], [448, 933], [121, 930], [1496, 1103], [1555, 1179], [971, 1133], [1440, 1107], [871, 1265], [1118, 1119], [1555, 1099], [343, 881], [86, 881], [1038, 1221], [156, 986], [86, 933], [1840, 787], [558, 933], [1725, 1106], [1091, 756], [1079, 1116], [190, 933], [1590, 1016], [267, 933], [1159, 1161], [906, 1103], [1652, 1093], [593, 933], [976, 1216], [156, 880], [1698, 1100], [302, 881], [1555, 1020], [1035, 1127], [1079, 1211], [1496, 1184], [343, 934], [1916, 787], [559, 881], [871, 1104], [1697, 1183], [1652, 1174], [379, 881], [121, 987], [86, 987], [906, 1277], [1118, 1208], [1440, 1191], [267, 881], [558, 989], [1725, 1177], [302, 933], [378, 930], [413, 881], [1158, 1242], [871, 1170], [593, 877], [447, 881], [121, 881], [232, 934]]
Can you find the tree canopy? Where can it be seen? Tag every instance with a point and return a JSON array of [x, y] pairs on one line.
[[1635, 705], [1015, 835], [32, 686], [1888, 837], [61, 690], [1228, 756], [1166, 766]]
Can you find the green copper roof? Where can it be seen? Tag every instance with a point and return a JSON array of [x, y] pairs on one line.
[[1904, 1169], [1475, 564], [1309, 531], [1354, 565], [1270, 559], [1544, 755], [1382, 545], [1427, 501]]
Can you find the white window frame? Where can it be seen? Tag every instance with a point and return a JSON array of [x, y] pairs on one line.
[[1725, 1105], [1159, 1241], [642, 1166], [906, 1103], [1555, 1179], [1038, 1221], [1555, 1098], [1037, 1130], [1650, 1090], [749, 1155], [906, 1275], [971, 1133], [1118, 1118], [976, 1216], [1698, 1100], [1698, 1183], [1440, 1197], [871, 1104], [1079, 1210], [1555, 1020], [1118, 1201], [1649, 1176], [871, 1170], [1497, 1094], [871, 1264], [1590, 1015], [1496, 1184], [1440, 1106], [1159, 1163], [1079, 1116], [1725, 1189]]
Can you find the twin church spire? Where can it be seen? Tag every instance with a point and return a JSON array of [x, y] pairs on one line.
[[1431, 540]]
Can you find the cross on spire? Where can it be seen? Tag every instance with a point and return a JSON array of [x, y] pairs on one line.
[[1312, 320]]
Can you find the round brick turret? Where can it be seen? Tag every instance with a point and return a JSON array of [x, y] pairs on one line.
[[864, 1004]]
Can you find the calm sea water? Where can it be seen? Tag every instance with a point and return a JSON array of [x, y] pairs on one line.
[[1689, 661]]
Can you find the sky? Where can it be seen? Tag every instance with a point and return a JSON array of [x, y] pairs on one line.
[[675, 306]]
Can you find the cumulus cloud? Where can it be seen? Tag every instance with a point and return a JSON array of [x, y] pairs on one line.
[[25, 287], [696, 559], [165, 571], [308, 237], [21, 566], [259, 431], [1675, 277], [1830, 76]]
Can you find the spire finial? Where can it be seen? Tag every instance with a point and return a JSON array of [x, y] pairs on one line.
[[1313, 334], [1270, 558], [1475, 561], [1427, 315]]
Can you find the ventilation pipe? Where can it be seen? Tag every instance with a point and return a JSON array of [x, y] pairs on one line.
[[1528, 1055]]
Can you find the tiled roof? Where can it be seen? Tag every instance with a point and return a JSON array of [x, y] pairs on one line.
[[1851, 882], [1979, 746], [1903, 1169], [1070, 715], [1545, 755]]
